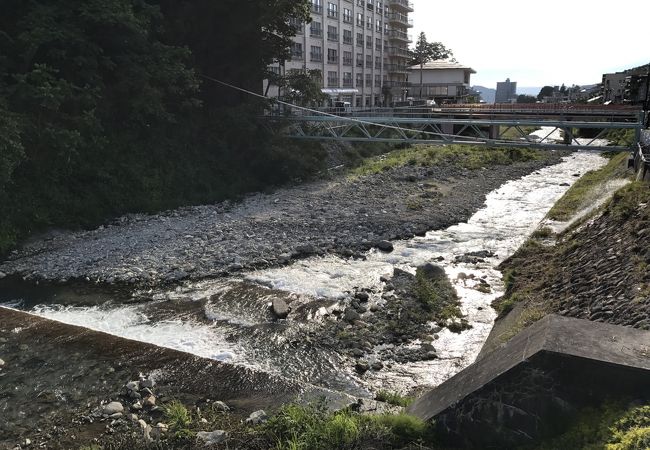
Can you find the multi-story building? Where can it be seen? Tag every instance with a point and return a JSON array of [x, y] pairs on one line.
[[506, 91], [629, 86], [359, 46]]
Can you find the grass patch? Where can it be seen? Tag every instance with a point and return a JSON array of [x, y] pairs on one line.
[[528, 316], [314, 427], [468, 157], [393, 398], [626, 200], [542, 233], [578, 196], [178, 418], [437, 296]]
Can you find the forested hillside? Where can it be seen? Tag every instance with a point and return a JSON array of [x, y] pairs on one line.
[[104, 108]]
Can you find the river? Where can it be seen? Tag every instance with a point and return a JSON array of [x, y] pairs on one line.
[[229, 319]]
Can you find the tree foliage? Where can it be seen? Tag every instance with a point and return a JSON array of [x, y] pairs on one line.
[[523, 98], [103, 109], [425, 52], [546, 91]]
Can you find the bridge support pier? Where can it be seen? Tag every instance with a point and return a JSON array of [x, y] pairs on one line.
[[494, 131]]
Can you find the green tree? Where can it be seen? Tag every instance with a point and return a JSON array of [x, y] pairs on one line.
[[425, 52], [546, 91], [526, 98]]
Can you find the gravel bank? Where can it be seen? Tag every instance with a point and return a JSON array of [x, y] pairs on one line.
[[341, 216]]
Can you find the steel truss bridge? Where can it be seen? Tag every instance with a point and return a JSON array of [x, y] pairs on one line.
[[561, 125]]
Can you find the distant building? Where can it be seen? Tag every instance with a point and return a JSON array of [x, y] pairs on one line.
[[442, 81], [629, 86], [506, 91]]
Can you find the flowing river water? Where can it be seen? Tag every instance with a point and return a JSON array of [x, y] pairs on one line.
[[229, 319]]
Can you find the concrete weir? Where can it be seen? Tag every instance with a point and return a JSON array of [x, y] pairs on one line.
[[55, 373], [529, 387]]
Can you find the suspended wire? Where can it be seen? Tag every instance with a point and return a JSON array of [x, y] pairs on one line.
[[326, 114]]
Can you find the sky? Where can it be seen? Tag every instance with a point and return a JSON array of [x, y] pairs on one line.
[[537, 43]]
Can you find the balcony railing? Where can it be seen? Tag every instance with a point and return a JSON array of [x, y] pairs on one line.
[[398, 51], [404, 4], [317, 9], [332, 59], [333, 14], [347, 40], [296, 55], [333, 37], [347, 82], [316, 32], [400, 35], [333, 82], [402, 19], [347, 61], [315, 57], [396, 68]]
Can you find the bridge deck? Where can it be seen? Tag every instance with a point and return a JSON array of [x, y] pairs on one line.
[[461, 124]]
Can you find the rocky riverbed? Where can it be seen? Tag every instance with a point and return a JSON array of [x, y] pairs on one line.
[[344, 216]]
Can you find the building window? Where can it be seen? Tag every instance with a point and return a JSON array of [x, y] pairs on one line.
[[333, 79], [369, 42], [359, 19], [316, 29], [359, 80], [317, 6], [359, 59], [378, 44], [332, 10], [347, 79], [296, 50], [332, 56], [297, 25], [347, 37], [359, 40], [377, 62], [378, 26], [332, 33], [377, 81], [369, 61], [369, 23], [316, 53], [347, 58], [347, 15]]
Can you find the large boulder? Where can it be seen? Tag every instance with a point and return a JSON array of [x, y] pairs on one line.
[[280, 308], [432, 271], [113, 408], [212, 437]]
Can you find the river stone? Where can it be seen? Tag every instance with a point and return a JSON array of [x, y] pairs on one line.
[[362, 296], [149, 401], [351, 315], [133, 386], [257, 417], [362, 367], [147, 383], [385, 246], [2, 275], [220, 406], [2, 363], [280, 308], [113, 408], [212, 437]]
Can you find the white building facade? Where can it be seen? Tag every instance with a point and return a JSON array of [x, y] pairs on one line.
[[442, 81], [359, 46]]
